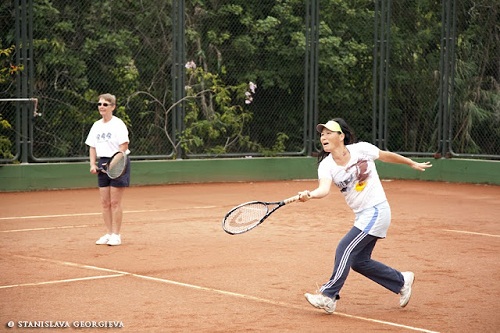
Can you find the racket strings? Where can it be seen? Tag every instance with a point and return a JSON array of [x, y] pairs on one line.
[[116, 166], [245, 217]]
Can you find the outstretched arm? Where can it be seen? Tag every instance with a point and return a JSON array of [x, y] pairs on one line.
[[390, 157]]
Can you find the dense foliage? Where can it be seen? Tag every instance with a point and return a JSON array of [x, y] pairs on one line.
[[84, 48]]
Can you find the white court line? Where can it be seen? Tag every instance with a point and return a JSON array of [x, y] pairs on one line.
[[94, 214], [471, 233], [61, 281], [46, 216], [49, 228], [223, 292], [81, 214], [30, 217]]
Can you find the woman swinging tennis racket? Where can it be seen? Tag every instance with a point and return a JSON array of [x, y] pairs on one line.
[[350, 166]]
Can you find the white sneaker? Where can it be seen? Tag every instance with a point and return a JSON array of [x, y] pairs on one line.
[[322, 302], [406, 290], [115, 239], [103, 240]]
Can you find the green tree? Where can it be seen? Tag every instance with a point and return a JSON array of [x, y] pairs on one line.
[[262, 42], [218, 127], [124, 47], [345, 63], [477, 102], [414, 82], [8, 71], [80, 53]]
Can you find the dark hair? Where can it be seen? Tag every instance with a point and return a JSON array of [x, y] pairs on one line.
[[349, 137]]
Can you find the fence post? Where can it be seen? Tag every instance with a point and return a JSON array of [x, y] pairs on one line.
[[311, 75], [446, 78], [382, 28], [24, 78], [178, 72]]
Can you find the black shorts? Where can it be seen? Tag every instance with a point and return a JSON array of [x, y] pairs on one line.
[[104, 181]]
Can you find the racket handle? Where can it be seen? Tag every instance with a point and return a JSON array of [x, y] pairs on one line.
[[291, 199]]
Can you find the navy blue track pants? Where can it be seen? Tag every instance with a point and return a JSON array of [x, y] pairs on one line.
[[354, 251]]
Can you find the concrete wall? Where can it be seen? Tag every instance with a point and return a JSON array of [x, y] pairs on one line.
[[26, 177]]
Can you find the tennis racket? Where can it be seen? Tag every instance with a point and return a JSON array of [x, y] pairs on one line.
[[116, 166], [248, 215]]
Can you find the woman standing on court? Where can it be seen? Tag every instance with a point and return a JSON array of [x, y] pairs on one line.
[[106, 137], [350, 166]]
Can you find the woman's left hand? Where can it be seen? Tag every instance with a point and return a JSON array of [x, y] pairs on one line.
[[421, 166]]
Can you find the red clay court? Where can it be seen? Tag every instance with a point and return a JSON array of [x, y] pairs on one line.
[[177, 271]]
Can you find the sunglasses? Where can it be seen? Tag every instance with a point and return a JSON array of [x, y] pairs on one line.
[[104, 104]]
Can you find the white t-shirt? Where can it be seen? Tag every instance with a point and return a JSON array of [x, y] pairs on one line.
[[107, 137], [358, 198]]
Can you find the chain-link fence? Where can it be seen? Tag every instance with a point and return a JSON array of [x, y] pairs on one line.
[[197, 79]]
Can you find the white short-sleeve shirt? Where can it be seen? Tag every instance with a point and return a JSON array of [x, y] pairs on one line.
[[361, 199], [344, 177], [107, 137]]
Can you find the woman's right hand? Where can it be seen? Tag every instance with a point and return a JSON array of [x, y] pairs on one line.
[[304, 196], [93, 169]]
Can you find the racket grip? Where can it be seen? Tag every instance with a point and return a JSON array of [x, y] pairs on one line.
[[291, 199]]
